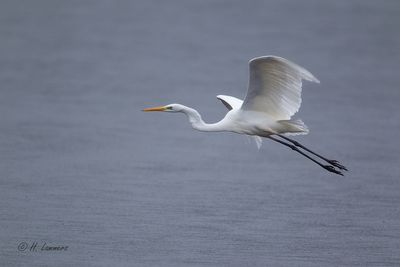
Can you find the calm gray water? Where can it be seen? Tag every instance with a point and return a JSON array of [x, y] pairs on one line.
[[81, 166]]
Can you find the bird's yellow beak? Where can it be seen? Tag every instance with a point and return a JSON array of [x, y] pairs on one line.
[[162, 108]]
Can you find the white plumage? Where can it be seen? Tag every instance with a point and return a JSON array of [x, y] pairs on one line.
[[275, 87]]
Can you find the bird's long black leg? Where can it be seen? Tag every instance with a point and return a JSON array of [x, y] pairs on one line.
[[294, 147], [330, 161]]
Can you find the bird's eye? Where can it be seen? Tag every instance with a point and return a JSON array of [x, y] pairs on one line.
[[169, 108]]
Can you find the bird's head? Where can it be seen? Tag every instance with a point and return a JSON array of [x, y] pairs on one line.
[[167, 108]]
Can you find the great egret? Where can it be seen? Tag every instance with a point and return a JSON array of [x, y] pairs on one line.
[[273, 97]]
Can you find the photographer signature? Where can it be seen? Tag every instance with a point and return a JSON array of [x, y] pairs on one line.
[[43, 246]]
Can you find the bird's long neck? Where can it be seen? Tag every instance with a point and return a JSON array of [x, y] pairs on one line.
[[198, 123]]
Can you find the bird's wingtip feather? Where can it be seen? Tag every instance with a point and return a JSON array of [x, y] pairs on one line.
[[314, 79], [305, 73]]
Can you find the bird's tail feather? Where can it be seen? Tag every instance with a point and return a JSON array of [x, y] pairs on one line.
[[294, 127]]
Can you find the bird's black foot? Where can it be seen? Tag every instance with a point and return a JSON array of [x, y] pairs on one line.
[[337, 164], [332, 169]]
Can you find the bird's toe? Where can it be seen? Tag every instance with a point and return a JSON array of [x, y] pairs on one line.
[[332, 169], [337, 164]]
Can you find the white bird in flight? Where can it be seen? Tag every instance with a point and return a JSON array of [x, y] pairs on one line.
[[273, 97]]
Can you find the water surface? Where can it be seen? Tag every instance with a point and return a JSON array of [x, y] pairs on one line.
[[82, 167]]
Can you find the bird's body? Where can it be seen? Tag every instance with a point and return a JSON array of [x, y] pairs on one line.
[[273, 97], [243, 122]]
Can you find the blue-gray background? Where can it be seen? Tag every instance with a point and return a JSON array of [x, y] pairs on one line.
[[82, 166]]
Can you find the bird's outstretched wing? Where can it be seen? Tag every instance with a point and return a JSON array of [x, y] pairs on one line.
[[230, 102], [275, 86]]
